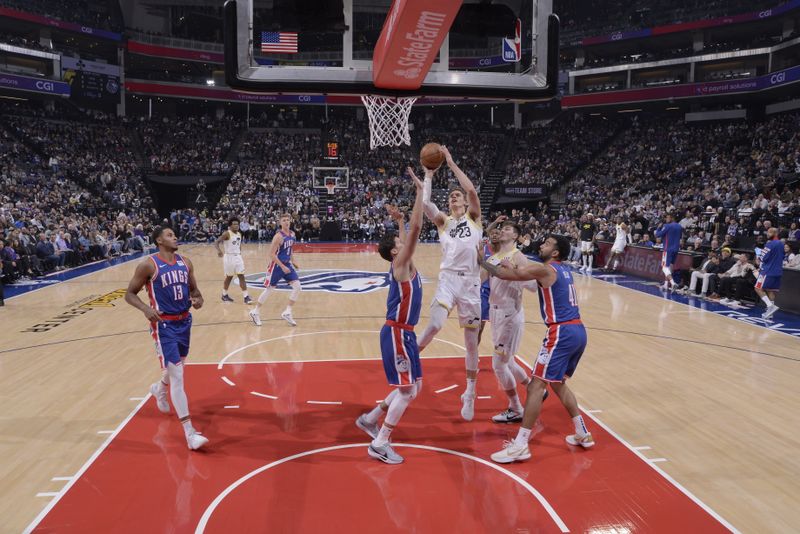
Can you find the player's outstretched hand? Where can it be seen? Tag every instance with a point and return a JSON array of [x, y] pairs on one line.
[[417, 181], [500, 218], [447, 156], [219, 253], [152, 315], [197, 302], [394, 212]]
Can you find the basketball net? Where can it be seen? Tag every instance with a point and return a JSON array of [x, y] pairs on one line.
[[388, 120], [331, 187]]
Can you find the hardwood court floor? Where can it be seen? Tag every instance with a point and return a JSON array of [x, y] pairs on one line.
[[715, 397]]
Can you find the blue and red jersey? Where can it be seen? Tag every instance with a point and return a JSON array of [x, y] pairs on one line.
[[559, 302], [405, 299], [772, 260], [285, 252], [670, 235], [169, 287]]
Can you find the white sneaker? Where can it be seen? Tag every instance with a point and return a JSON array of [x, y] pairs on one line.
[[508, 416], [256, 317], [581, 441], [512, 453], [371, 429], [161, 397], [734, 303], [287, 316], [725, 301], [467, 407], [589, 270], [384, 453], [770, 311], [195, 440]]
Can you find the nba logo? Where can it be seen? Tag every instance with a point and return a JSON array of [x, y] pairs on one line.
[[512, 48]]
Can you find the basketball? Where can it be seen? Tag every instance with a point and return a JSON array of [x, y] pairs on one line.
[[431, 156]]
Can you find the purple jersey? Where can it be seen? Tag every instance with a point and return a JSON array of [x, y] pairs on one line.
[[285, 252], [559, 302], [169, 287], [670, 235], [405, 299], [772, 260]]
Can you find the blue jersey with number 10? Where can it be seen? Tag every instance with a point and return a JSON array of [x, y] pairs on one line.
[[559, 302], [169, 287]]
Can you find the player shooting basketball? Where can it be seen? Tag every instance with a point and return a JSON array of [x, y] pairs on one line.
[[460, 233]]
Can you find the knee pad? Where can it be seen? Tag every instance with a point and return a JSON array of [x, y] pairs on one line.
[[667, 271], [438, 317], [503, 373], [296, 289]]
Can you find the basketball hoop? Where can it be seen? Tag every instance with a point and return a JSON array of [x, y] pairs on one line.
[[388, 120]]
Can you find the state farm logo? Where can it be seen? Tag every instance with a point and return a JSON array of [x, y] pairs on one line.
[[418, 45], [408, 74]]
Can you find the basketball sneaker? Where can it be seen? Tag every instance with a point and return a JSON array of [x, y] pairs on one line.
[[196, 440], [287, 316], [512, 453], [371, 429], [467, 406], [770, 311], [226, 298], [581, 441], [508, 416], [254, 315], [160, 393], [248, 299], [385, 453]]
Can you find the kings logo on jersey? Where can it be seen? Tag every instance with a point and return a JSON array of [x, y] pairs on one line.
[[329, 280]]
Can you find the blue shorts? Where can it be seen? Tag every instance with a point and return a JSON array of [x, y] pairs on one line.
[[172, 340], [561, 351], [400, 355], [770, 283], [275, 273], [484, 303], [668, 258]]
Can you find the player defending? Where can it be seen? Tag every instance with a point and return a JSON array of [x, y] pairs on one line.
[[670, 233], [770, 272], [398, 340], [459, 276], [282, 266], [232, 261], [622, 240], [561, 350], [507, 317], [172, 289]]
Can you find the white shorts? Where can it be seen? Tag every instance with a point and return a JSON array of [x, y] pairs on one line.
[[233, 264], [507, 329], [618, 248], [586, 246], [463, 292]]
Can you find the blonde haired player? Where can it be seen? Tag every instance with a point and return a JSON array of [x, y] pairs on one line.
[[232, 261], [460, 234], [507, 317]]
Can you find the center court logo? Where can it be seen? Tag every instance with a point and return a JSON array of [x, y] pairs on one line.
[[332, 281]]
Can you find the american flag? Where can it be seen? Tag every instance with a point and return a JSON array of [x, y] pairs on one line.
[[285, 42]]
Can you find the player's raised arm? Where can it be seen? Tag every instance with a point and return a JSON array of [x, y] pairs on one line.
[[194, 291], [414, 225], [277, 241], [399, 218], [144, 272], [431, 211], [224, 237], [473, 202]]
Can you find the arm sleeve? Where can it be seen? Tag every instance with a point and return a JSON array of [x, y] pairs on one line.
[[431, 211]]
